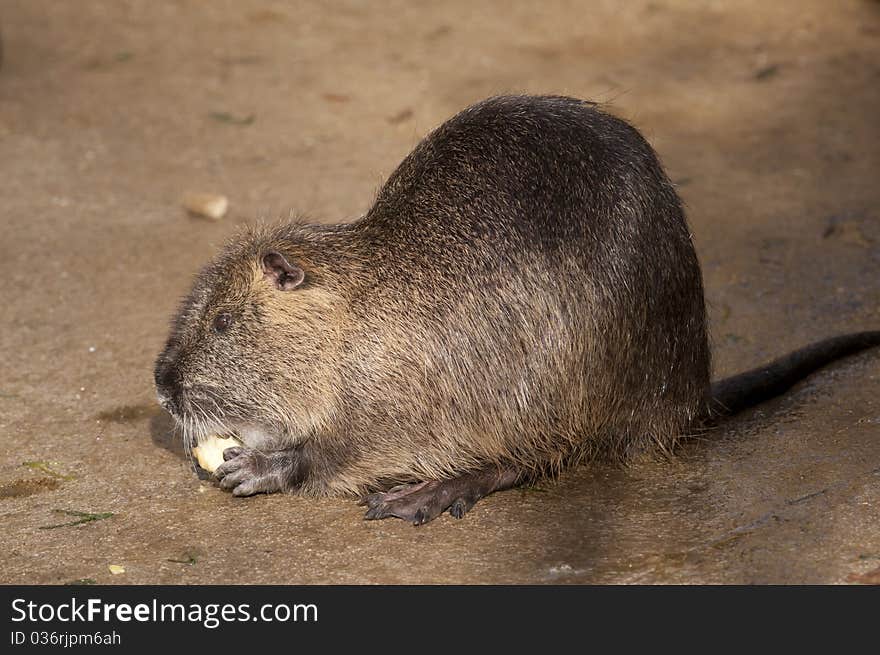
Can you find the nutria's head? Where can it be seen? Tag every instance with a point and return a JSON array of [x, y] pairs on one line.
[[252, 348]]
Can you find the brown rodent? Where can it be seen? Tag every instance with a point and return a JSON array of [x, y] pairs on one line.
[[523, 294]]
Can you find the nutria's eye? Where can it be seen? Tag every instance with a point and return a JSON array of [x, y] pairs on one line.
[[222, 322]]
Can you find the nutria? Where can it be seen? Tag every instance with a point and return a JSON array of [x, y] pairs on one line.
[[522, 295]]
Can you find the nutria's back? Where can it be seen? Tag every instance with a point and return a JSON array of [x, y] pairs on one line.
[[523, 292], [538, 261]]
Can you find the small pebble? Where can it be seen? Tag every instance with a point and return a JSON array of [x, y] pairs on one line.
[[208, 205]]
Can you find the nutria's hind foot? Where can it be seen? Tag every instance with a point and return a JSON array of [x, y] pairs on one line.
[[424, 501]]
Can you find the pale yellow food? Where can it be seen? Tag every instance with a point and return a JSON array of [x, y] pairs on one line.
[[209, 452]]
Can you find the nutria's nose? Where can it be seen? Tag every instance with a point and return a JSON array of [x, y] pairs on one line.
[[168, 382]]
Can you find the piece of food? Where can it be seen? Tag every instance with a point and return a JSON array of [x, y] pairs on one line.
[[209, 452], [208, 205]]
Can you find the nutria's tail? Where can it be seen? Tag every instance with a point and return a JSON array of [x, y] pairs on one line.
[[744, 390]]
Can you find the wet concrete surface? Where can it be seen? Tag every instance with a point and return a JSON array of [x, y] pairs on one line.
[[765, 115]]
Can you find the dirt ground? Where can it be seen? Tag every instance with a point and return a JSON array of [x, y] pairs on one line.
[[766, 115]]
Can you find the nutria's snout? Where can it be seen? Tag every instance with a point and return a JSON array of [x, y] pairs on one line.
[[168, 385]]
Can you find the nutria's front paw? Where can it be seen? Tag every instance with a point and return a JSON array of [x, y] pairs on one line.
[[247, 472]]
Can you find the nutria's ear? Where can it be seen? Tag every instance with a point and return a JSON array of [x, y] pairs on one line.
[[283, 275]]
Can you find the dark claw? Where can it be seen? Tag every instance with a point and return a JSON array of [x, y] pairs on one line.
[[228, 467], [421, 517], [232, 453], [459, 508], [234, 479]]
